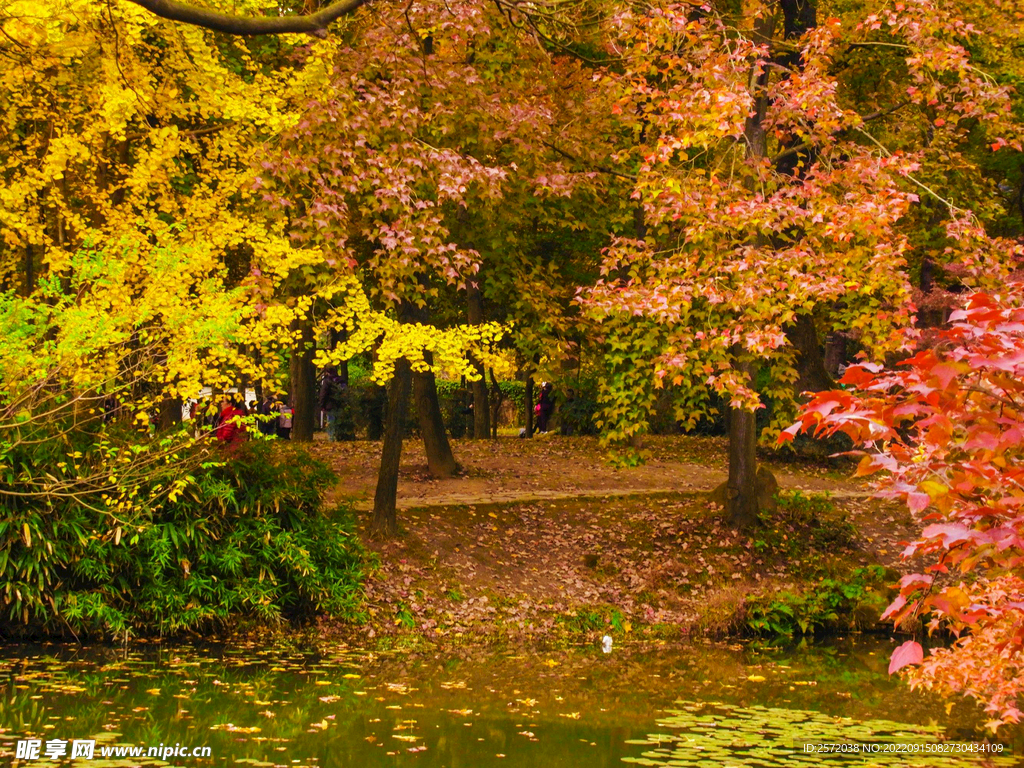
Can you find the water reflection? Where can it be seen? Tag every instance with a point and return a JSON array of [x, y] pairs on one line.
[[288, 706]]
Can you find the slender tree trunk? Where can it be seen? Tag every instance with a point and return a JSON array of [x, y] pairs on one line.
[[481, 407], [529, 405], [497, 397], [385, 522], [258, 384], [243, 386], [29, 271], [303, 382], [440, 460]]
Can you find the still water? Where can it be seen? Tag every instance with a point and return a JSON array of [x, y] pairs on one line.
[[287, 706]]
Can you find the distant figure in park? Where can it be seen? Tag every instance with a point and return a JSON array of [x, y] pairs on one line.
[[284, 421], [269, 413], [545, 406], [230, 430]]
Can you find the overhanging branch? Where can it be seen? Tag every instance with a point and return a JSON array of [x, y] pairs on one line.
[[312, 23]]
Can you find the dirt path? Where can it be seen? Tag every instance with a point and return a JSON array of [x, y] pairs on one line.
[[548, 468]]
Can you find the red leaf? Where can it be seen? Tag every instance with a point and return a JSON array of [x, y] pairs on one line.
[[950, 533], [918, 501], [908, 653], [945, 373], [896, 607]]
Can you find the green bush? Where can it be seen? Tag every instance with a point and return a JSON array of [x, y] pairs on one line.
[[576, 414], [245, 539], [830, 604]]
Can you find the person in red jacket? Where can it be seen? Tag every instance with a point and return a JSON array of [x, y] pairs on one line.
[[230, 429]]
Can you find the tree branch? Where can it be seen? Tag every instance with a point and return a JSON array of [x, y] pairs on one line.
[[313, 23], [594, 166]]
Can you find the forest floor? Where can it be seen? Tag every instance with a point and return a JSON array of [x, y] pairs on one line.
[[544, 539]]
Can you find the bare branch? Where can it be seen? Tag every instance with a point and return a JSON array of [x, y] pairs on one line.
[[313, 23], [596, 166]]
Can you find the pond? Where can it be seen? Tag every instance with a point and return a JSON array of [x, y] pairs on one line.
[[701, 704]]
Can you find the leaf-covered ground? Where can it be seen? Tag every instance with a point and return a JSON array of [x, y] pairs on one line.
[[549, 466], [542, 539]]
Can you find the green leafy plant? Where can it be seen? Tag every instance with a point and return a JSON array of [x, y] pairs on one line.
[[823, 607], [244, 538]]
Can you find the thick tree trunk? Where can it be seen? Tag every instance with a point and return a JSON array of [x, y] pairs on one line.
[[835, 353], [741, 496], [529, 405], [385, 522], [303, 382], [481, 415], [481, 410], [810, 363], [440, 461]]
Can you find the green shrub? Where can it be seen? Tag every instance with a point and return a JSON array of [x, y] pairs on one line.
[[830, 604], [245, 539], [576, 414]]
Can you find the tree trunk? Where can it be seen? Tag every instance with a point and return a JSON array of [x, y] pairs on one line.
[[810, 364], [529, 405], [170, 413], [28, 283], [835, 353], [385, 522], [497, 397], [258, 384], [242, 386], [741, 497], [741, 505], [440, 461], [303, 382], [481, 407]]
